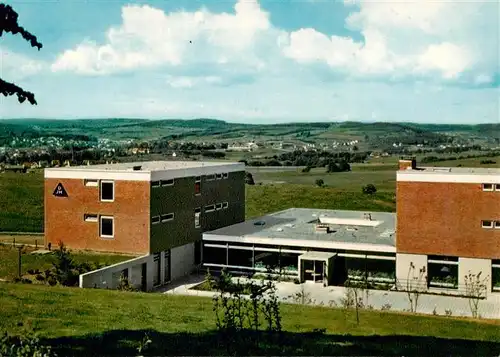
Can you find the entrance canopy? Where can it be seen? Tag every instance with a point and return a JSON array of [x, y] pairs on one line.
[[321, 256]]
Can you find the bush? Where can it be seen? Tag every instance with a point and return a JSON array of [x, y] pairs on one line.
[[306, 169], [369, 189], [320, 183], [17, 346], [249, 179]]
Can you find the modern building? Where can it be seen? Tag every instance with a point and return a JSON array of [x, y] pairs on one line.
[[311, 244], [158, 210], [448, 221]]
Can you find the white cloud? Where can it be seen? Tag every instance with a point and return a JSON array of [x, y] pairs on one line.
[[149, 37], [15, 66], [189, 82], [407, 37]]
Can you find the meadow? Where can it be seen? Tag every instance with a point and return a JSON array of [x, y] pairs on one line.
[[86, 322]]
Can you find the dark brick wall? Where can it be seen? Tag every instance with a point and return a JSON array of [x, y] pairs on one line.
[[181, 200]]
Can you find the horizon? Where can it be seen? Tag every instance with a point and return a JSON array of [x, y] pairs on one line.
[[257, 62]]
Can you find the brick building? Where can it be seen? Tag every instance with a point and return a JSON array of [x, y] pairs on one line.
[[155, 209], [448, 221]]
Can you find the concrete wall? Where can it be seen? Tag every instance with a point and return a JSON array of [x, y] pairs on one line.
[[108, 277], [182, 261], [403, 262], [473, 266]]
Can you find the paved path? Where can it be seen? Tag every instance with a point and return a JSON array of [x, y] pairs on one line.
[[331, 296]]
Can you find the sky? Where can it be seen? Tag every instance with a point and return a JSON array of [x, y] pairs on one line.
[[250, 61]]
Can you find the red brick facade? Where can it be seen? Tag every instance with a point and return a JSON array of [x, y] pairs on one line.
[[445, 219], [64, 216]]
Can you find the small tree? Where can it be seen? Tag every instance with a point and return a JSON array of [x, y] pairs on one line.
[[415, 283], [306, 169], [369, 189], [320, 182], [475, 290], [249, 179], [64, 267]]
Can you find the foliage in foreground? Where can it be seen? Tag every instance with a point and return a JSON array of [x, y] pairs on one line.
[[18, 346]]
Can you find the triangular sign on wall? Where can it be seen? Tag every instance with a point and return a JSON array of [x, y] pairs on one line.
[[60, 191]]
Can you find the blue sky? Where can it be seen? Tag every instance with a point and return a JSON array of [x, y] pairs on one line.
[[257, 61]]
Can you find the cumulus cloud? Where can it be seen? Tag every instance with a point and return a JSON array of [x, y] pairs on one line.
[[407, 37], [17, 67], [149, 37], [451, 40]]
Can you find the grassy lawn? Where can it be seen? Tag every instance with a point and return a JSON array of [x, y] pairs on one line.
[[87, 322], [9, 258], [271, 198], [21, 239], [21, 203]]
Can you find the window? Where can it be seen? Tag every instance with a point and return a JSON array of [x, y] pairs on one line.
[[107, 227], [225, 205], [197, 179], [197, 188], [91, 183], [197, 214], [497, 224], [487, 187], [167, 182], [210, 208], [155, 183], [210, 177], [225, 175], [497, 187], [167, 217], [487, 224], [107, 191], [218, 206], [155, 219], [90, 218], [219, 176]]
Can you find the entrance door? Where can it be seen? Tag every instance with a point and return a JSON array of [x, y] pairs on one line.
[[168, 270], [157, 269]]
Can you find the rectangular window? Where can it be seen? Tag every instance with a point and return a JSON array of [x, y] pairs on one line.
[[197, 188], [218, 206], [155, 183], [107, 191], [197, 214], [497, 224], [91, 183], [487, 187], [210, 208], [155, 219], [167, 217], [219, 176], [225, 175], [497, 187], [90, 218], [210, 177], [107, 229], [225, 205], [167, 182], [487, 224], [197, 179]]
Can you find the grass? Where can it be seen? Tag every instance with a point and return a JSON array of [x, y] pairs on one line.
[[9, 259], [103, 322], [21, 206], [22, 239], [265, 199]]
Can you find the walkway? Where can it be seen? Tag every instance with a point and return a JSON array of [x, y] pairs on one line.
[[332, 296]]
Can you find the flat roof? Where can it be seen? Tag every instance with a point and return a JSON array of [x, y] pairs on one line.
[[145, 171], [451, 174], [297, 226]]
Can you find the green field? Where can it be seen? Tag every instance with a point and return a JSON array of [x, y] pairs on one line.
[[88, 322], [9, 260]]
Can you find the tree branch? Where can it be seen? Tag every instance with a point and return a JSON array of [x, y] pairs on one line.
[[8, 89], [8, 23]]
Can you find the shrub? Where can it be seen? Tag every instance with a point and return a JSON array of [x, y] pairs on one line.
[[306, 169], [369, 189], [249, 179], [17, 346], [320, 182]]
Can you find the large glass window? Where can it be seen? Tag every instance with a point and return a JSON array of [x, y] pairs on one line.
[[107, 227], [495, 274], [241, 257], [442, 272], [214, 255]]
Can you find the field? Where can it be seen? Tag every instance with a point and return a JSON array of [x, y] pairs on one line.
[[87, 322], [9, 259]]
